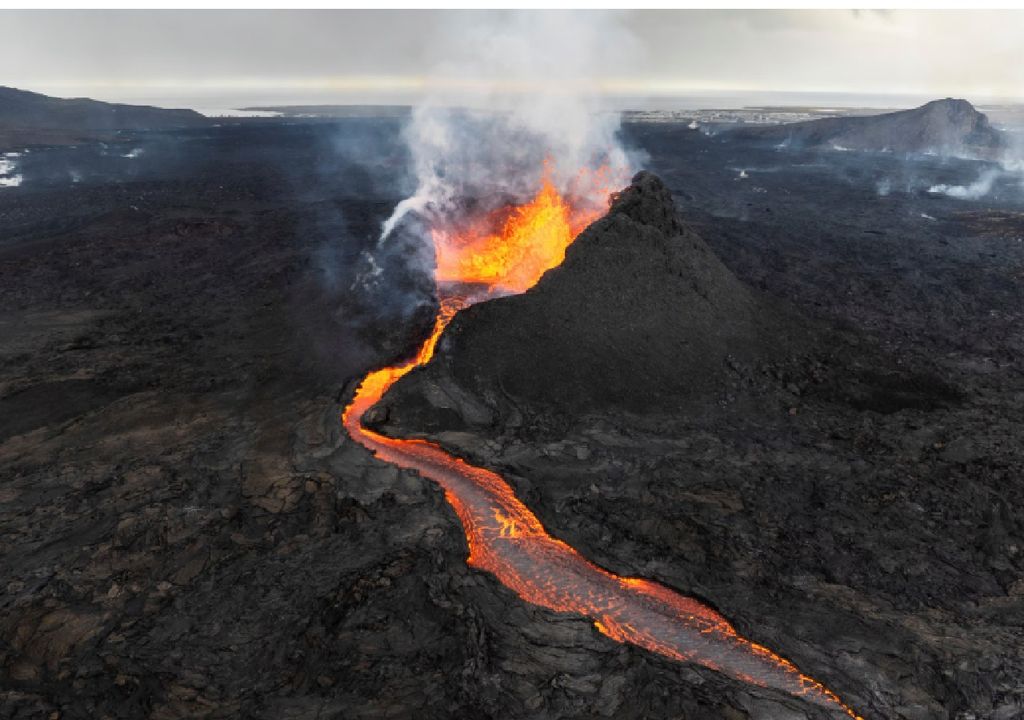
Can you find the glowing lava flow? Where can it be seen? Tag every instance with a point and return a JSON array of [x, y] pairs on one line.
[[508, 540]]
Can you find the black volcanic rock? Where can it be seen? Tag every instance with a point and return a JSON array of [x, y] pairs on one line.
[[202, 539], [640, 316], [945, 127], [31, 118]]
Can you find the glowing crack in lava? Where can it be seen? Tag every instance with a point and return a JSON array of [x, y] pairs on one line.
[[508, 540]]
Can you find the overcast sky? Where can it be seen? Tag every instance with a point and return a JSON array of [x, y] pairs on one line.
[[226, 57]]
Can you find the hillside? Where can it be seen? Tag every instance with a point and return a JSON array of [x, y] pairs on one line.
[[28, 118], [943, 127]]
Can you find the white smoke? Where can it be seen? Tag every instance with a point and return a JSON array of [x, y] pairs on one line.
[[515, 89], [1010, 168], [976, 190], [9, 177]]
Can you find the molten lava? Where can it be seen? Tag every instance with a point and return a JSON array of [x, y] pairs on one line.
[[508, 540], [510, 249]]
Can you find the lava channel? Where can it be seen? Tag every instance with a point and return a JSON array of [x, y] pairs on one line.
[[508, 541]]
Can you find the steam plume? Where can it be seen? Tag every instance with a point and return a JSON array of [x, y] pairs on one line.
[[978, 189], [516, 89], [1010, 167]]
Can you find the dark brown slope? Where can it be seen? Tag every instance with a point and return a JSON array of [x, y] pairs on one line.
[[640, 316], [946, 127], [32, 118]]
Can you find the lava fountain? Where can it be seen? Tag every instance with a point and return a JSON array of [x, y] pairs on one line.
[[507, 251]]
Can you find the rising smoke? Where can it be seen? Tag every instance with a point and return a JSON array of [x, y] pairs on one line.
[[515, 89], [1009, 167], [976, 190]]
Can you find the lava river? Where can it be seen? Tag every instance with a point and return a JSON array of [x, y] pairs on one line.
[[508, 540]]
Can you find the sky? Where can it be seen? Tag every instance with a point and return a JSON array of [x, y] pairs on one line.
[[233, 58]]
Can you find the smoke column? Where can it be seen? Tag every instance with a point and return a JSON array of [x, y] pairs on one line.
[[515, 89]]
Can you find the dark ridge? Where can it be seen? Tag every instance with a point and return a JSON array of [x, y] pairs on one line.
[[947, 127], [28, 118]]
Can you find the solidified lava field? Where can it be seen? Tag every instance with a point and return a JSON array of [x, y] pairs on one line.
[[189, 532]]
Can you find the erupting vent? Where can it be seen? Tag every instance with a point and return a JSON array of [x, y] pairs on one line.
[[509, 252], [509, 249]]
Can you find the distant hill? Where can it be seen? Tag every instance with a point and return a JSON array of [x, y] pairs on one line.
[[31, 118], [945, 127]]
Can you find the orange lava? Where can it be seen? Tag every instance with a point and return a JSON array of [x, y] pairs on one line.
[[508, 540], [511, 248]]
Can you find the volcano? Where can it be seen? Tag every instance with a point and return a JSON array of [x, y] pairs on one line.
[[193, 534], [640, 316], [508, 540]]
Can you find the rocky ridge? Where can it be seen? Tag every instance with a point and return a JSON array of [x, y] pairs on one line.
[[942, 127]]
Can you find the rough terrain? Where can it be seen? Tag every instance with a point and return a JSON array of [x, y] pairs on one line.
[[185, 532], [875, 487]]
